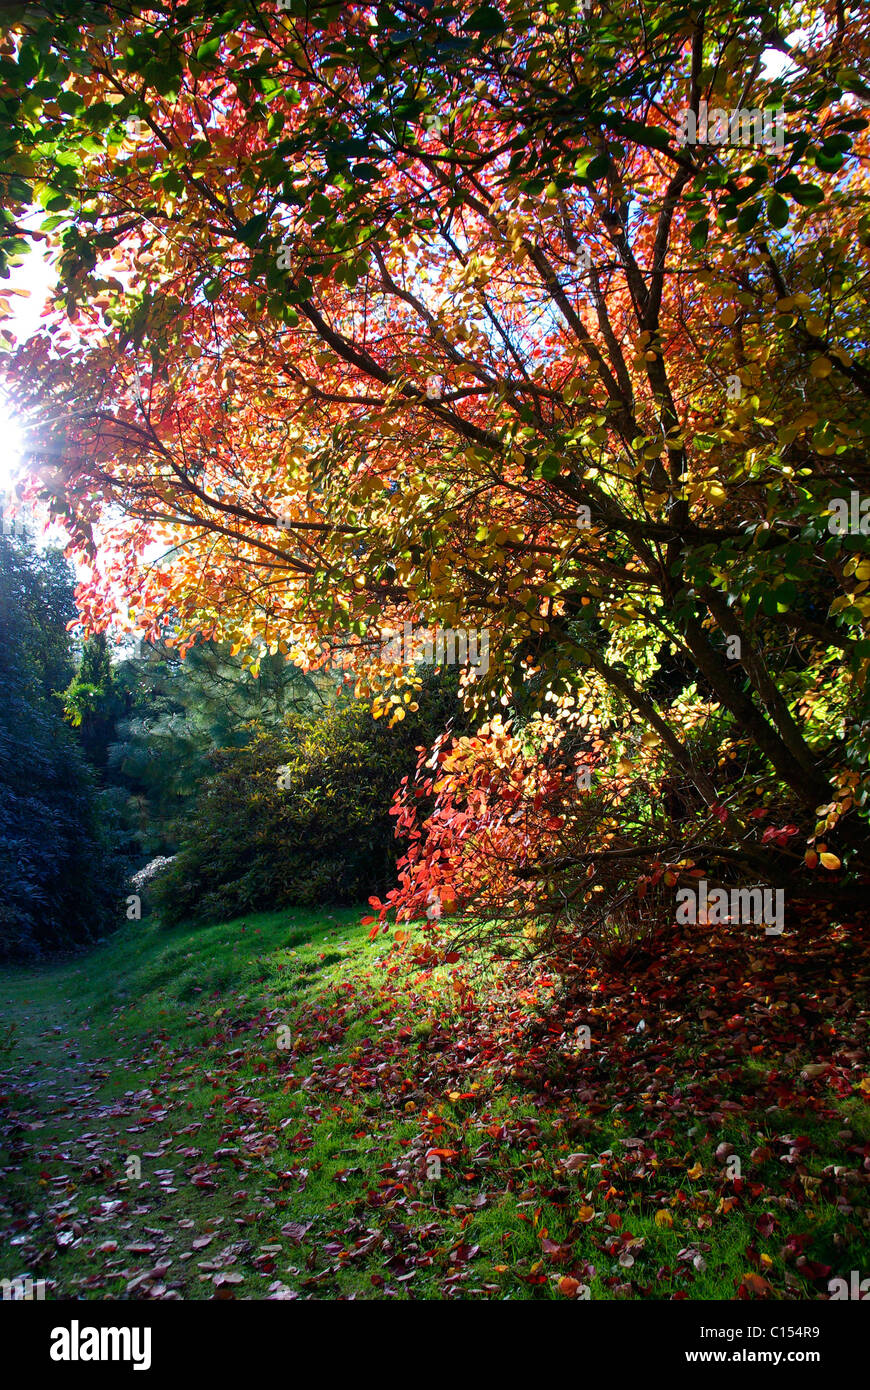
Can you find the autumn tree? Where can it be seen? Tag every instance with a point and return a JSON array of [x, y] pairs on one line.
[[507, 317]]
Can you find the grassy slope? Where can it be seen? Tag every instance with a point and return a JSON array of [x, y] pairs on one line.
[[302, 1168]]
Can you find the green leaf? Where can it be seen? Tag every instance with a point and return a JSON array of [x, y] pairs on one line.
[[208, 49], [647, 135], [485, 20], [828, 163], [28, 62], [748, 217], [851, 82], [698, 235], [809, 195], [253, 229], [598, 167]]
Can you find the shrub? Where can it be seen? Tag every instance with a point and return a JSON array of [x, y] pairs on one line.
[[298, 818]]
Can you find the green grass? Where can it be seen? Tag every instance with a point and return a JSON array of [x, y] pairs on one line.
[[163, 1041]]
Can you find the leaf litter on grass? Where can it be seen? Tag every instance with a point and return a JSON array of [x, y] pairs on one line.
[[413, 1138]]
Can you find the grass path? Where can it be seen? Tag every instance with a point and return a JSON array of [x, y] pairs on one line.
[[110, 1065], [281, 1108]]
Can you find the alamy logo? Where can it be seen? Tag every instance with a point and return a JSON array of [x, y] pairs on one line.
[[849, 518], [857, 1287], [24, 1289], [448, 649], [741, 905], [75, 1343], [740, 127]]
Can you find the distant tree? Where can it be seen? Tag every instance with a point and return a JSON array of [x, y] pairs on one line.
[[59, 884], [95, 700], [180, 710]]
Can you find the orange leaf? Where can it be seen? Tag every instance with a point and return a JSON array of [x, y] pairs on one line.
[[757, 1285]]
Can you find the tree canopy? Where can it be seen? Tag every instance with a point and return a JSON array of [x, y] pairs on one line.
[[433, 314]]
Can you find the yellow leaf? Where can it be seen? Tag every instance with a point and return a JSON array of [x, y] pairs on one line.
[[829, 861], [806, 421], [695, 1172], [821, 367], [664, 1218]]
